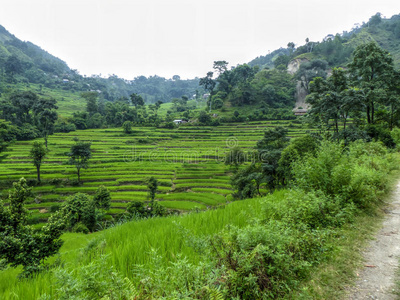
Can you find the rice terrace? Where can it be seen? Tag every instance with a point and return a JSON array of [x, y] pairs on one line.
[[188, 162], [272, 179]]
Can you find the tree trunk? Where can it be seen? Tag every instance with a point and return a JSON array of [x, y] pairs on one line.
[[368, 115], [372, 112], [391, 117], [38, 173]]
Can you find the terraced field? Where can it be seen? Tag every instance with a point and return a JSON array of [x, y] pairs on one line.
[[188, 162]]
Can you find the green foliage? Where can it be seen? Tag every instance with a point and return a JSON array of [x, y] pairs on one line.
[[80, 228], [19, 243], [91, 102], [7, 135], [38, 153], [80, 208], [136, 208], [102, 198], [136, 100], [127, 126], [297, 149], [371, 70], [94, 281], [235, 157], [247, 182], [310, 70], [353, 175], [204, 118], [152, 185], [80, 154]]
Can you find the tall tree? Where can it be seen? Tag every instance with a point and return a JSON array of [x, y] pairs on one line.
[[270, 148], [91, 102], [152, 185], [7, 135], [45, 123], [38, 153], [17, 108], [137, 100], [79, 156], [220, 66], [371, 70], [333, 99]]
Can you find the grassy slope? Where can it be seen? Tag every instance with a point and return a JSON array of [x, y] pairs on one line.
[[130, 243], [68, 102], [187, 161]]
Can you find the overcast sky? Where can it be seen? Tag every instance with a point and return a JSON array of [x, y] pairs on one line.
[[176, 37]]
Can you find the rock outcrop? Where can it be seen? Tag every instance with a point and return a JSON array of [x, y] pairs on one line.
[[301, 93]]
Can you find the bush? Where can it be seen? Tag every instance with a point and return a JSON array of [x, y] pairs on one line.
[[127, 126], [80, 208], [80, 228], [378, 133], [102, 198]]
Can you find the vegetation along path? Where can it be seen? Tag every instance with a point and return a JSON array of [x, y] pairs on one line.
[[377, 278]]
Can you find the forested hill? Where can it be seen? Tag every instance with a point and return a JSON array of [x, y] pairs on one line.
[[25, 63], [336, 49]]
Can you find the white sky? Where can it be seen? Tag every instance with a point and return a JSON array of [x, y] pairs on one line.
[[147, 37]]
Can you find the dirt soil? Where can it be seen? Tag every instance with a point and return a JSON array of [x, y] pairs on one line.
[[376, 280]]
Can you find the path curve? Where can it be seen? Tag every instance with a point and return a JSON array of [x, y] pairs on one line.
[[381, 259]]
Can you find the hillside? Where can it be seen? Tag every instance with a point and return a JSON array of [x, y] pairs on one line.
[[337, 49], [25, 63]]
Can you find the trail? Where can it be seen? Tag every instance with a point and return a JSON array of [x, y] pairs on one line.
[[381, 259]]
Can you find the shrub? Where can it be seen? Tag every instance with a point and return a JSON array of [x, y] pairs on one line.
[[80, 228], [80, 208], [102, 198], [127, 126]]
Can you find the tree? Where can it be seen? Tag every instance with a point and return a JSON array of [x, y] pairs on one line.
[[20, 244], [269, 151], [204, 118], [297, 149], [80, 209], [91, 102], [371, 72], [291, 46], [102, 198], [247, 182], [80, 154], [127, 126], [158, 105], [13, 66], [137, 100], [17, 108], [235, 157], [152, 185], [7, 135], [208, 83], [38, 153], [220, 66], [333, 99], [45, 123]]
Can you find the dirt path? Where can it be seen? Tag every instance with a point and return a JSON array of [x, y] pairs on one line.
[[377, 278]]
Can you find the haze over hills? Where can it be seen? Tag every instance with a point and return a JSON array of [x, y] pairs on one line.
[[24, 62]]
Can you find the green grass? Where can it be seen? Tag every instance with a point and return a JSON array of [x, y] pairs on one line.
[[187, 161], [130, 243]]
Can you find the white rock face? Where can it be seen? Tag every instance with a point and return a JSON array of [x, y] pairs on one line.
[[301, 93]]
